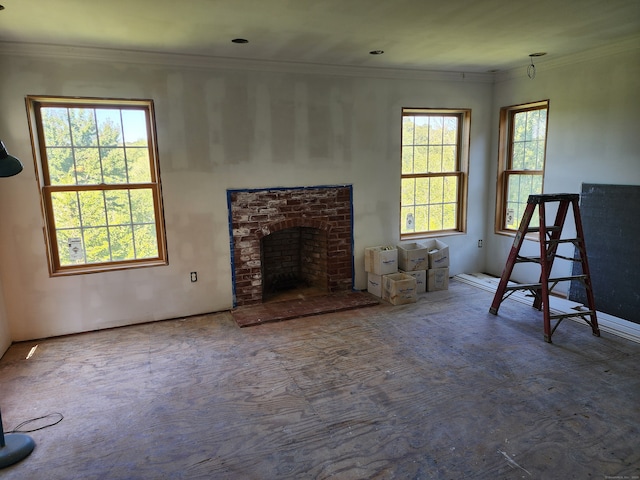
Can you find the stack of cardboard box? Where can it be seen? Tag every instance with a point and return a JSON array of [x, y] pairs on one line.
[[383, 278], [438, 273], [428, 261], [413, 259], [399, 273]]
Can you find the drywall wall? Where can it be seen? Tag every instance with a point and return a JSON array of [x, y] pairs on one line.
[[592, 136], [220, 127]]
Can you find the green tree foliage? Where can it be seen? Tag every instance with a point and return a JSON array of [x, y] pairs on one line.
[[95, 147], [429, 147], [528, 154]]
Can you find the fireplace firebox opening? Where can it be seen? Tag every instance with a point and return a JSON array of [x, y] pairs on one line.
[[294, 261]]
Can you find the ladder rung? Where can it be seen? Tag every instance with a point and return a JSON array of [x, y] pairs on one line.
[[569, 278], [575, 241], [537, 286], [524, 286], [520, 259], [575, 314], [550, 228], [571, 259]]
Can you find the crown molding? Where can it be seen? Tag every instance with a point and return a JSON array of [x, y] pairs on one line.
[[204, 62], [625, 45]]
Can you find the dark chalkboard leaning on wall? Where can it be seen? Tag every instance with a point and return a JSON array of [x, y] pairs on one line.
[[611, 222]]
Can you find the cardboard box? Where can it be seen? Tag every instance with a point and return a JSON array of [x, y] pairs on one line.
[[374, 284], [438, 253], [381, 260], [412, 257], [399, 288], [421, 279], [437, 279]]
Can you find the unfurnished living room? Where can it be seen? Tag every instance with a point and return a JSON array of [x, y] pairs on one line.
[[355, 239]]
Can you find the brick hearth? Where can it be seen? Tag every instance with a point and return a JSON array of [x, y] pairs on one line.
[[255, 214]]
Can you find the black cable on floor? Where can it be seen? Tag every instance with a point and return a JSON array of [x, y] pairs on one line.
[[27, 422]]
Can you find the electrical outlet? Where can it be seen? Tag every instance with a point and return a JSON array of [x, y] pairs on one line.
[[194, 276], [479, 243]]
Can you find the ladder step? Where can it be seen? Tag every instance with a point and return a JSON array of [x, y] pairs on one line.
[[550, 228], [575, 241], [569, 278], [571, 259], [520, 259], [524, 286], [537, 286], [576, 314]]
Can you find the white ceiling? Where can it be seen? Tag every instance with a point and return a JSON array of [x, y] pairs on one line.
[[444, 35]]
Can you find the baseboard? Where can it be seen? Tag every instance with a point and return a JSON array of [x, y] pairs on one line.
[[607, 323]]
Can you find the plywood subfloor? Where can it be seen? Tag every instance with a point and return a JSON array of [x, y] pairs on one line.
[[439, 389]]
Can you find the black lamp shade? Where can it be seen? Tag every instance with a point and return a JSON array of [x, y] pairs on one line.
[[9, 165]]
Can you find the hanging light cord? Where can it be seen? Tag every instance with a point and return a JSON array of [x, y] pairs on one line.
[[57, 418], [531, 69]]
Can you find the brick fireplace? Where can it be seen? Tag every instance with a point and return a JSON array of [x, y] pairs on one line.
[[283, 235]]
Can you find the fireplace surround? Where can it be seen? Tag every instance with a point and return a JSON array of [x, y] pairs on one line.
[[323, 214]]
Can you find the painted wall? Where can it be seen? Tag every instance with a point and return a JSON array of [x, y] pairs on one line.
[[592, 136], [5, 336], [219, 128]]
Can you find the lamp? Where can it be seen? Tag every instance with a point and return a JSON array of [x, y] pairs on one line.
[[9, 165], [14, 446]]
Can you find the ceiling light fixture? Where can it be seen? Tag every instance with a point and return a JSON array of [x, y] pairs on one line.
[[9, 165], [240, 40], [376, 52], [531, 69]]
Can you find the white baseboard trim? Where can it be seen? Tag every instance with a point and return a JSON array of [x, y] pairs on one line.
[[607, 323]]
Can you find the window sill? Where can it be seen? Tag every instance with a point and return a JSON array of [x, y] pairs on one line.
[[102, 268], [425, 236]]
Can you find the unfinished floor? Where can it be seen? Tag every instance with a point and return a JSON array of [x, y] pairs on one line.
[[440, 389]]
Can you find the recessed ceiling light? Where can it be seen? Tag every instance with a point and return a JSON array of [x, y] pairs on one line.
[[376, 52], [240, 40]]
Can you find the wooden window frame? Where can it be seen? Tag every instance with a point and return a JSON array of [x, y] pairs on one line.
[[505, 157], [34, 103], [461, 172]]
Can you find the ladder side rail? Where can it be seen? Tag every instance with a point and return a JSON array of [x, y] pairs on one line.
[[511, 259], [591, 303], [543, 300]]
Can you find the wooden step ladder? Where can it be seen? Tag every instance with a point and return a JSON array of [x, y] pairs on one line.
[[549, 237]]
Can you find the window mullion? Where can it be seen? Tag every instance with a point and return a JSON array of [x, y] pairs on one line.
[[55, 127], [133, 227], [442, 158]]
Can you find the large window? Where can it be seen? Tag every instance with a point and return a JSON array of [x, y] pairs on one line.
[[435, 149], [523, 139], [99, 178]]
